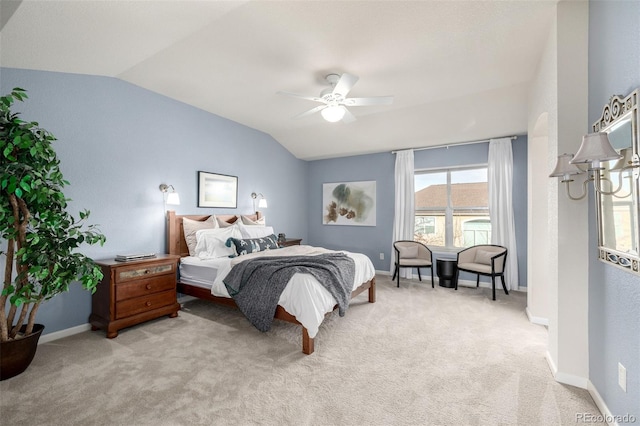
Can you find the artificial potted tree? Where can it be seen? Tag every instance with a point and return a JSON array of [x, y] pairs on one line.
[[39, 237]]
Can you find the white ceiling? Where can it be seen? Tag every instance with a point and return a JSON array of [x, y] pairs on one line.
[[459, 70]]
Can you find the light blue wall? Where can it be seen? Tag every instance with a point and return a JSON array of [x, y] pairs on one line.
[[117, 143], [614, 295], [370, 240], [373, 240]]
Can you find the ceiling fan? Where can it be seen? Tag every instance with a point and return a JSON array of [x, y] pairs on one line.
[[334, 99]]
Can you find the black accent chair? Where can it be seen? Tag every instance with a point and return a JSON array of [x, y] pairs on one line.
[[488, 260], [412, 254]]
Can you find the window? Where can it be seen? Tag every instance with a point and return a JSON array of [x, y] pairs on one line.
[[476, 231], [452, 207]]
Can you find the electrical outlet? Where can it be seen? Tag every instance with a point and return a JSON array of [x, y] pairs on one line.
[[381, 256], [622, 377]]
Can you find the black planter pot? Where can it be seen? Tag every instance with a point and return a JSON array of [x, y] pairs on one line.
[[16, 355]]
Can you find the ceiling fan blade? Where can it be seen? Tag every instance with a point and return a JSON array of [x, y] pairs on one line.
[[309, 98], [311, 111], [348, 117], [375, 100], [344, 85]]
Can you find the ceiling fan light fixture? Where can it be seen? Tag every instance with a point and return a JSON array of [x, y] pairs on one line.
[[333, 100], [333, 113]]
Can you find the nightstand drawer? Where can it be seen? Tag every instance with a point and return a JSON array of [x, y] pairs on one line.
[[135, 273], [145, 303], [128, 290]]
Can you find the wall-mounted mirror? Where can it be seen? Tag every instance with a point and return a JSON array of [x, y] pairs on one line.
[[617, 206]]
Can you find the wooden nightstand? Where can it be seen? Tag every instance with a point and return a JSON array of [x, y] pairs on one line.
[[133, 292], [290, 242]]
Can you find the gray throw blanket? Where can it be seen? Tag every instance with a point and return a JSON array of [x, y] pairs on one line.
[[256, 284]]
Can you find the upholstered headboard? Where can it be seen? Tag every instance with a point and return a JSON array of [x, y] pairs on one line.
[[176, 244]]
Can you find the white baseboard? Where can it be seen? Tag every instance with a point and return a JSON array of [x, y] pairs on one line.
[[551, 363], [46, 338], [606, 413], [567, 379], [570, 379], [537, 320]]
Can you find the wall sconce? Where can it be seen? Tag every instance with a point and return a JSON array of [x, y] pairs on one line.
[[262, 203], [169, 195], [595, 149]]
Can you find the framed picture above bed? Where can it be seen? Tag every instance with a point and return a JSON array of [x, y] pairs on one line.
[[215, 190], [349, 203]]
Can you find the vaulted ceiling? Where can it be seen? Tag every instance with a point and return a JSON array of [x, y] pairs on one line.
[[458, 70]]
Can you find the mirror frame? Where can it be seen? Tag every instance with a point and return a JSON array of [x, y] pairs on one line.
[[620, 109]]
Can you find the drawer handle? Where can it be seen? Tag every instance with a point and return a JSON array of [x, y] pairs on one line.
[[147, 271], [148, 286], [148, 303]]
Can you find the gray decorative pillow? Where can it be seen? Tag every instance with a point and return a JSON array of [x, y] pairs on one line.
[[252, 245]]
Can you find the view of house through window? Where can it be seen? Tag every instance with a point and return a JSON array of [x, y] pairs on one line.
[[452, 207]]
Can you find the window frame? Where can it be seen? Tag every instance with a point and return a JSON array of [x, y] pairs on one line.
[[448, 209]]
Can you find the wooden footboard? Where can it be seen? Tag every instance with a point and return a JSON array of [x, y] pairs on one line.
[[281, 313]]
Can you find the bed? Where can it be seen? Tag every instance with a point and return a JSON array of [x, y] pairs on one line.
[[202, 278]]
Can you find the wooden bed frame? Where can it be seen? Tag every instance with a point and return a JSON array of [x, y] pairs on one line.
[[176, 244]]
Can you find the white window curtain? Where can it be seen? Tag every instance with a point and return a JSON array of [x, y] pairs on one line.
[[500, 179], [404, 219]]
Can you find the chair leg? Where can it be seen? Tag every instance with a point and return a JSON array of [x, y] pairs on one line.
[[419, 276], [432, 286], [504, 286], [493, 286], [395, 271], [457, 275], [398, 276], [478, 281]]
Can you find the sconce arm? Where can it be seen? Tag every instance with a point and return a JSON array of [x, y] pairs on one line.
[[614, 192], [584, 189], [598, 184]]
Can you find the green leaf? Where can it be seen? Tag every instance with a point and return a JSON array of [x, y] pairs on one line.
[[8, 150], [25, 185]]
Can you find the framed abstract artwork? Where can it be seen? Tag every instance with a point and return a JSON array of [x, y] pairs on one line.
[[349, 203], [215, 190]]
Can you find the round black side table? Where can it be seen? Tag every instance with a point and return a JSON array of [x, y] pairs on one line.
[[446, 272]]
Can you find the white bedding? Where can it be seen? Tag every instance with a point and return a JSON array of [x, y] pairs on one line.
[[303, 297], [200, 272]]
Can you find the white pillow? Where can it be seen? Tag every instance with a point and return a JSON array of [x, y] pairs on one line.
[[211, 242], [255, 231], [260, 222], [190, 228]]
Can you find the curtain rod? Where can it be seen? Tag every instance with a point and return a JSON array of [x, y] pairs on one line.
[[455, 144]]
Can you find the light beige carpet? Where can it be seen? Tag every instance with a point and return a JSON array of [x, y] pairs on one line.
[[418, 356]]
